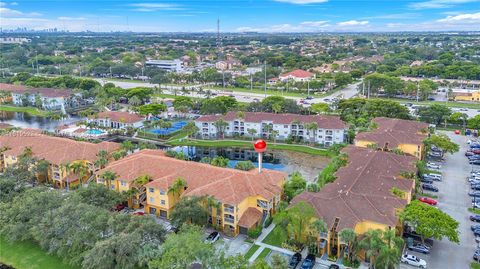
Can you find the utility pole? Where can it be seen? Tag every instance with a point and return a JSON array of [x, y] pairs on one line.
[[418, 90], [265, 64]]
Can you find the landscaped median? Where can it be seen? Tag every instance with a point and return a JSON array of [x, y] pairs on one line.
[[30, 110], [27, 255], [249, 145]]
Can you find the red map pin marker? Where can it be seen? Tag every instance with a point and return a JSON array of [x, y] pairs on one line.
[[260, 145]]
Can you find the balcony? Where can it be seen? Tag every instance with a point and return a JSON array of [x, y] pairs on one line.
[[229, 210], [229, 220]]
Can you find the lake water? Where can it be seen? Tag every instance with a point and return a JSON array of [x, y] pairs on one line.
[[286, 161], [25, 120]]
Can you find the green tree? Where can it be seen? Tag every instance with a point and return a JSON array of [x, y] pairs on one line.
[[294, 186], [435, 114], [443, 142], [190, 210], [176, 189], [152, 109], [244, 165], [296, 221], [430, 222], [98, 195], [474, 123], [220, 161], [320, 108], [350, 237], [252, 132], [221, 126], [127, 146]]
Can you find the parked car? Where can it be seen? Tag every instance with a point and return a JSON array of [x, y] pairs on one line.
[[119, 207], [418, 247], [476, 204], [294, 260], [334, 266], [475, 227], [426, 180], [139, 213], [475, 218], [475, 187], [476, 232], [309, 98], [433, 175], [427, 200], [476, 255], [212, 238], [474, 193], [433, 166], [309, 262], [413, 260], [429, 187]]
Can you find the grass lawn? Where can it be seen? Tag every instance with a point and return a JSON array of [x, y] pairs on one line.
[[27, 255], [474, 211], [263, 254], [276, 237], [251, 250], [433, 196], [449, 104], [30, 110], [475, 265], [249, 144]]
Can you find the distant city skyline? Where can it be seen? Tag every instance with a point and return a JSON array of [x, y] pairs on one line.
[[242, 16]]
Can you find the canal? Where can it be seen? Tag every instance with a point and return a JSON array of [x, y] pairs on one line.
[[25, 120]]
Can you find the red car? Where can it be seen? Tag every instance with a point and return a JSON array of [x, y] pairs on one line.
[[139, 213], [427, 200]]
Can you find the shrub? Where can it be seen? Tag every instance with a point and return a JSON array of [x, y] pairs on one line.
[[244, 165], [268, 221], [255, 233]]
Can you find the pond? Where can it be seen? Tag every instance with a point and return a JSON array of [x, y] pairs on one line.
[[25, 120], [286, 161]]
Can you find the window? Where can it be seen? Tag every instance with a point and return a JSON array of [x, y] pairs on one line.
[[162, 202], [112, 187], [152, 200], [285, 126], [162, 192], [14, 158], [151, 190], [123, 183]]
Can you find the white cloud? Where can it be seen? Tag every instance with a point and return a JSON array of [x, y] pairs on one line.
[[314, 23], [395, 16], [462, 19], [306, 26], [352, 23], [438, 4], [71, 18], [302, 2], [8, 12], [152, 7]]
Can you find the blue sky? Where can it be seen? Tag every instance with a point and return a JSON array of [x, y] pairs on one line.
[[242, 15]]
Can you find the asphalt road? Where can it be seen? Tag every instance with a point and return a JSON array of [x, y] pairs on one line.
[[453, 199]]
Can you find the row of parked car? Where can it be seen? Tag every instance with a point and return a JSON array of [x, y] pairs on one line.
[[434, 159], [473, 156], [307, 263]]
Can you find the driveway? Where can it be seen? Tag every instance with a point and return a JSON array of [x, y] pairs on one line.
[[453, 200]]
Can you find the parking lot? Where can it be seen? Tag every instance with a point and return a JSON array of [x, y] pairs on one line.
[[453, 199]]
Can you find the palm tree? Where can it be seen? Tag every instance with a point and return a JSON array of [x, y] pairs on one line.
[[134, 101], [177, 188], [315, 228], [42, 169], [274, 135], [220, 125], [252, 132], [240, 115], [109, 176], [267, 128], [371, 244], [312, 127], [349, 237], [102, 159], [276, 108], [128, 146], [390, 252], [211, 203], [191, 129], [80, 169]]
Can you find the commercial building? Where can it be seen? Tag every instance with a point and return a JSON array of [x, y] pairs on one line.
[[117, 120], [297, 75], [391, 134], [50, 99], [58, 152], [367, 194], [167, 65], [468, 96], [320, 129], [245, 199]]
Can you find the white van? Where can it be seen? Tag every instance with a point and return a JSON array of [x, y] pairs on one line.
[[432, 175]]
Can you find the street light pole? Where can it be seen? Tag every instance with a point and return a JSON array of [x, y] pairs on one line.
[[265, 64]]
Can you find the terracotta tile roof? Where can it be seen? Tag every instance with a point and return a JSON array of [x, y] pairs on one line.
[[5, 125], [299, 73], [55, 150], [45, 92], [462, 94], [323, 121], [362, 190], [395, 132], [250, 217], [120, 116], [227, 185]]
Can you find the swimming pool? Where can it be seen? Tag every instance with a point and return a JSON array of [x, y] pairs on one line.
[[166, 131], [94, 132]]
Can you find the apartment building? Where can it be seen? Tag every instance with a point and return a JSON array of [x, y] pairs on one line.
[[117, 120], [367, 195], [167, 65], [51, 99], [320, 129], [390, 134], [245, 199], [58, 152]]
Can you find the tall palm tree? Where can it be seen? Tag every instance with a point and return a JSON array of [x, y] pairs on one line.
[[109, 176], [315, 228], [349, 237], [102, 159], [371, 244], [211, 203], [128, 146], [274, 135], [221, 125], [312, 127], [41, 168], [177, 188], [388, 256], [252, 132], [80, 169]]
